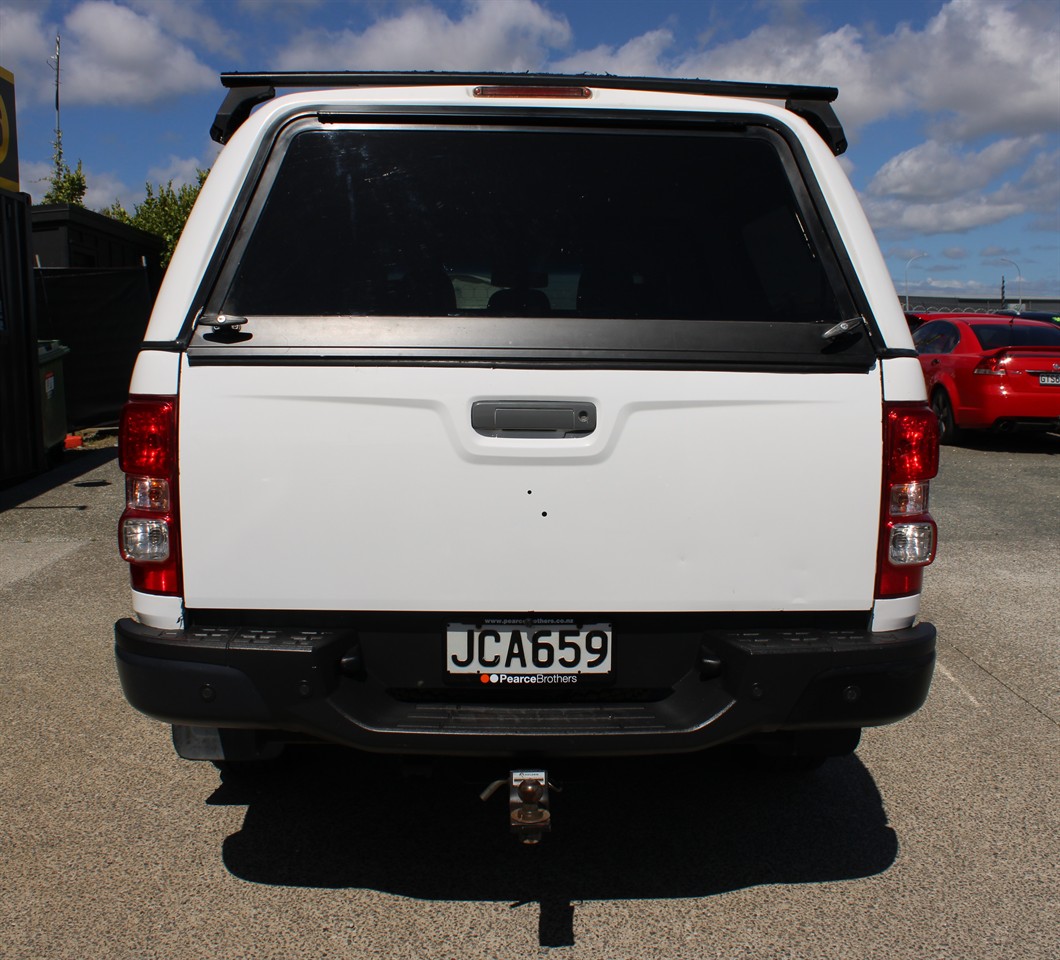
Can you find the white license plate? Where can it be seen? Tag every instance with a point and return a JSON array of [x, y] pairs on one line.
[[503, 647], [1049, 379]]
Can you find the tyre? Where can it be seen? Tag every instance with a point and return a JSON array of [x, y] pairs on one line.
[[949, 432]]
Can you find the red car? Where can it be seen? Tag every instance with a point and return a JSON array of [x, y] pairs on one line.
[[987, 372]]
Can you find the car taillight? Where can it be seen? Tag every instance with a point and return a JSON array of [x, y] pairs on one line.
[[148, 534], [907, 531], [992, 366]]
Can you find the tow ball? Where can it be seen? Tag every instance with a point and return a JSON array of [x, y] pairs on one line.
[[529, 816]]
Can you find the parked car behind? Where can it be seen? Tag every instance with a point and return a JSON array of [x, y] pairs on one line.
[[988, 372]]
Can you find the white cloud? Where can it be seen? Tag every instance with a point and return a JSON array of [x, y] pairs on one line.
[[111, 52], [792, 51], [994, 66], [104, 188], [26, 43], [642, 56], [189, 20], [936, 171], [491, 35], [956, 215], [114, 55], [799, 53], [179, 170], [34, 177], [970, 288], [906, 253], [978, 67], [1039, 188]]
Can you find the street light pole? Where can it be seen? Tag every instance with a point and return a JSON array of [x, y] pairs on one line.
[[1019, 280], [909, 261]]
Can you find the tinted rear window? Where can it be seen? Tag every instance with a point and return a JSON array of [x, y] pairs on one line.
[[995, 335], [526, 223]]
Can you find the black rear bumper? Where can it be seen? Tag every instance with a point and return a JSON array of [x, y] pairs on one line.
[[383, 689]]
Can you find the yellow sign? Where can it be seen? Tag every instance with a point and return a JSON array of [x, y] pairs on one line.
[[8, 136]]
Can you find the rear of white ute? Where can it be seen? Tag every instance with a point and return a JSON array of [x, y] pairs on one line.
[[526, 416]]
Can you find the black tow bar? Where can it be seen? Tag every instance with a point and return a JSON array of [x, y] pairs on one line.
[[529, 816]]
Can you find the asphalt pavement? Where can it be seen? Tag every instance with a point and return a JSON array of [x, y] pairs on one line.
[[940, 839]]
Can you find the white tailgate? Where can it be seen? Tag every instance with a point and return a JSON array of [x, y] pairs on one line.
[[366, 488]]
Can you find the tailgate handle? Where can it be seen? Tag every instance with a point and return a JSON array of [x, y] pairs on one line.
[[541, 419]]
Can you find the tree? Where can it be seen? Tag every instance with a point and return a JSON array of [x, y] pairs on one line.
[[67, 186], [162, 212]]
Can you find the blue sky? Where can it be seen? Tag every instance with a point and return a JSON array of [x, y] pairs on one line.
[[952, 108]]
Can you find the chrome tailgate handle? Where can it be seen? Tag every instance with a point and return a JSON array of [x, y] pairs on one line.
[[542, 419]]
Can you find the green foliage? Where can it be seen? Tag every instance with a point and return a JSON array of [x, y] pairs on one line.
[[162, 212], [67, 186]]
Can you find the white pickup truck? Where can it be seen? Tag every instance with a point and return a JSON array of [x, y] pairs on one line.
[[526, 416]]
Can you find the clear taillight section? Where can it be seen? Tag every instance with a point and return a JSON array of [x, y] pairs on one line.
[[907, 531], [148, 535]]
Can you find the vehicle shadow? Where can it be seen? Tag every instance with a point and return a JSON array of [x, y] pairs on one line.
[[689, 826], [1013, 442], [74, 464]]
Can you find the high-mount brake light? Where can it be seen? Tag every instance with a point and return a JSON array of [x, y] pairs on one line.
[[907, 532], [148, 533], [533, 93]]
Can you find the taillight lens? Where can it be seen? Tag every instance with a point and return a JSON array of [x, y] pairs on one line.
[[147, 440], [543, 91], [992, 366], [911, 435], [907, 532], [148, 534]]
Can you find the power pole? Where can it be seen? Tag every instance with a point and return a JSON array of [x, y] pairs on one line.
[[58, 151]]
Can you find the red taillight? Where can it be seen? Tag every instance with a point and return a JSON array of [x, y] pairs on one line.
[[992, 366], [148, 534], [147, 440], [907, 531], [911, 435]]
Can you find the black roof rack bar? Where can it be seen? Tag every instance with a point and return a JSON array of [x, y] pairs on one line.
[[236, 108], [246, 90], [428, 78]]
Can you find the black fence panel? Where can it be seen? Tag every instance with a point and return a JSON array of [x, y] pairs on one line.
[[21, 441], [101, 315]]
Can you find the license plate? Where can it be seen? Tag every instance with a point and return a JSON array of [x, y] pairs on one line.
[[1049, 379], [509, 649]]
